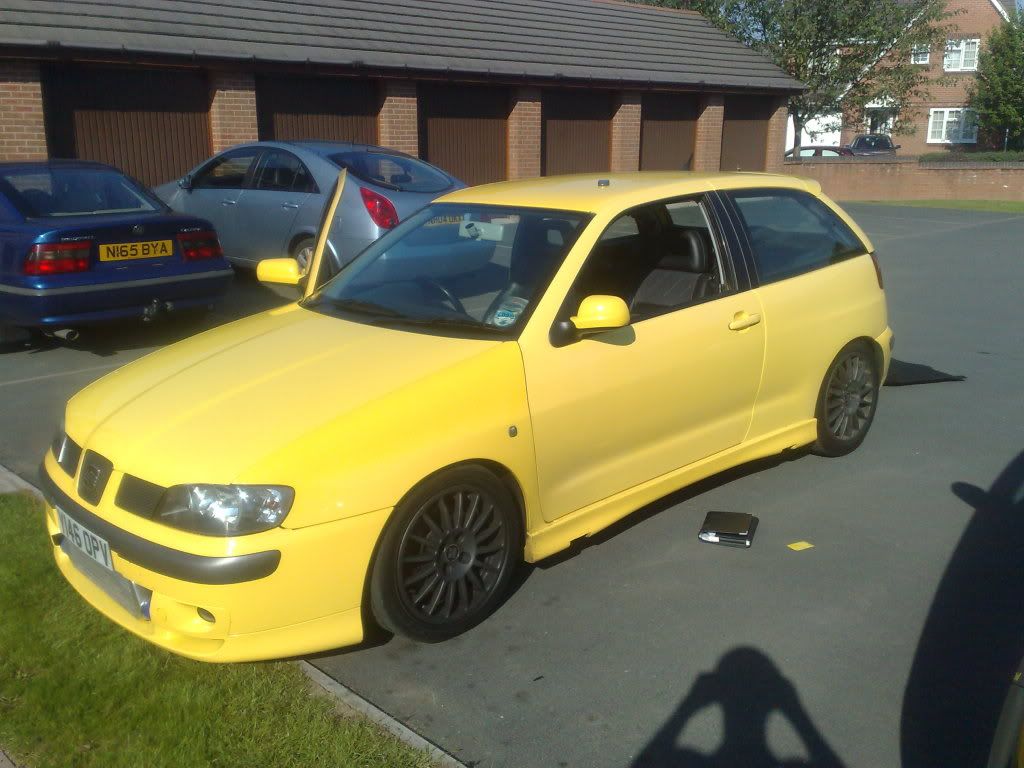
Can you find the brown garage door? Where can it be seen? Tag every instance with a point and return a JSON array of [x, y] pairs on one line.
[[576, 131], [464, 130], [336, 109], [745, 132], [152, 123], [668, 129]]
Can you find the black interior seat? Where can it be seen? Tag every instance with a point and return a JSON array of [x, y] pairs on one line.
[[685, 274]]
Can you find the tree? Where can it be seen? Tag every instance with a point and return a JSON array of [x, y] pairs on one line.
[[998, 93], [849, 53]]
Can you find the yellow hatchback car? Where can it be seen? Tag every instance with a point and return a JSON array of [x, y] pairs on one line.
[[514, 367]]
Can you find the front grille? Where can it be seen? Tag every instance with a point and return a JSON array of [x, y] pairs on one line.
[[92, 480], [139, 496], [67, 452]]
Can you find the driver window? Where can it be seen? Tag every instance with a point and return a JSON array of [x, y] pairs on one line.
[[229, 171], [657, 258]]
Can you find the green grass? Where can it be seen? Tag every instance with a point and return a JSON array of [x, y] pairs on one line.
[[77, 691], [997, 206]]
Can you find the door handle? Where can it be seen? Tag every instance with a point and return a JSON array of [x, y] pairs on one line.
[[228, 201], [290, 206], [743, 320]]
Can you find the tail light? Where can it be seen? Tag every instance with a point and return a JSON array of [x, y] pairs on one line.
[[878, 269], [196, 246], [58, 258], [381, 210]]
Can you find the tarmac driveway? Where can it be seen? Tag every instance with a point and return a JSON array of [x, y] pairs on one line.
[[889, 642]]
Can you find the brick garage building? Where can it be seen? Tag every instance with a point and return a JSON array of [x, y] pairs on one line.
[[489, 90], [942, 120]]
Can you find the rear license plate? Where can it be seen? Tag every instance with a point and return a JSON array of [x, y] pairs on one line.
[[123, 251], [88, 542]]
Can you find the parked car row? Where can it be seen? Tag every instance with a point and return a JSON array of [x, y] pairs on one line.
[[866, 145], [82, 243]]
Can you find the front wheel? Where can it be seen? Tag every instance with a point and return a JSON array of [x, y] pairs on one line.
[[447, 557], [848, 400]]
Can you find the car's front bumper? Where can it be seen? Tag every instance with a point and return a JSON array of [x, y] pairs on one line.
[[295, 592]]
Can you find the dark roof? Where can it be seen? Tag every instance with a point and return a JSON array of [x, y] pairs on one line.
[[601, 40]]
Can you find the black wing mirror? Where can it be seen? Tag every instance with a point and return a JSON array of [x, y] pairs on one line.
[[185, 182]]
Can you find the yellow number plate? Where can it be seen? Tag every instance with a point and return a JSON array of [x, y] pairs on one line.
[[123, 251]]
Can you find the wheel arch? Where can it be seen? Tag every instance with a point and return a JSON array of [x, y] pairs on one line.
[[298, 237]]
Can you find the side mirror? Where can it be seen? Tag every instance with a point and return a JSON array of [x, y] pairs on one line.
[[897, 146], [185, 182], [282, 271], [600, 313], [596, 313]]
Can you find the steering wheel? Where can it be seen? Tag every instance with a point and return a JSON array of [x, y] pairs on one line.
[[443, 292]]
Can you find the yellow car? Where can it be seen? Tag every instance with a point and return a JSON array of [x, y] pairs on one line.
[[514, 367]]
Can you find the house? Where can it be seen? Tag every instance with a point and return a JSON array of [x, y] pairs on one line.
[[488, 89], [943, 120]]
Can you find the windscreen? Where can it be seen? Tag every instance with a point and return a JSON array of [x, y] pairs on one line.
[[477, 269], [56, 192]]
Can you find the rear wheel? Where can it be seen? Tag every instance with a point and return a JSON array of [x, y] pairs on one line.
[[847, 401], [303, 251], [447, 557]]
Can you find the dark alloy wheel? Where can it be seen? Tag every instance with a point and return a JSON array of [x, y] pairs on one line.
[[448, 556], [848, 399]]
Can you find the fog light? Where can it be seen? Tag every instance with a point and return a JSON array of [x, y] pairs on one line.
[[205, 615]]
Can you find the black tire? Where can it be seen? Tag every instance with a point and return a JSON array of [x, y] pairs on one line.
[[848, 400], [303, 251], [447, 556]]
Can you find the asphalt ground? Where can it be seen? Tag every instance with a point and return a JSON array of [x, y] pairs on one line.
[[889, 642]]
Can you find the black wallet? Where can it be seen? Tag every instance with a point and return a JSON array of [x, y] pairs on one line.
[[734, 529]]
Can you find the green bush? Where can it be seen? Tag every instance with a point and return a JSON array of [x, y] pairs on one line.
[[973, 157]]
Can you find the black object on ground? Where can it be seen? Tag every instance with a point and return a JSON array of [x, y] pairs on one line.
[[733, 529], [902, 374]]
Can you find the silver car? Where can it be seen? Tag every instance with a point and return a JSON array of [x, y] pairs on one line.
[[266, 199]]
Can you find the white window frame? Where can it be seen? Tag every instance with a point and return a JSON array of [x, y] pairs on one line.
[[958, 49], [943, 117], [921, 54]]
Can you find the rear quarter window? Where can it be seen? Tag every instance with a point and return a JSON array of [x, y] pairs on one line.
[[792, 232]]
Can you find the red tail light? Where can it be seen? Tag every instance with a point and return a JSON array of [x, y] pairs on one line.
[[196, 246], [878, 269], [381, 210], [58, 258]]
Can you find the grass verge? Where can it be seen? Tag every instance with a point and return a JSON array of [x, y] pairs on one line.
[[996, 206], [76, 690]]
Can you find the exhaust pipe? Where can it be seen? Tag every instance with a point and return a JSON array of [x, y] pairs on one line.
[[66, 334]]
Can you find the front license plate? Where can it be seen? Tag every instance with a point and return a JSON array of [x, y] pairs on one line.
[[123, 251], [88, 542]]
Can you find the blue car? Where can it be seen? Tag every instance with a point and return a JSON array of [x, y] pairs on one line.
[[82, 243]]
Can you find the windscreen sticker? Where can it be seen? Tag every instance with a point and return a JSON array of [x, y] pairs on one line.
[[509, 311]]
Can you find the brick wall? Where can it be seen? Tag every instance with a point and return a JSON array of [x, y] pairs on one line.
[[232, 109], [707, 154], [900, 178], [777, 136], [398, 121], [524, 134], [22, 130], [625, 140]]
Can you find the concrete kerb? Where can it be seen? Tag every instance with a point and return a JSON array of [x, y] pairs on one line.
[[347, 698]]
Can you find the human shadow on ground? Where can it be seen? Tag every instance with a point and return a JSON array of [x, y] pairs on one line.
[[748, 687], [973, 637]]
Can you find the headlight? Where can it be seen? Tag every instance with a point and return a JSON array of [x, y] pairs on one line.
[[225, 510]]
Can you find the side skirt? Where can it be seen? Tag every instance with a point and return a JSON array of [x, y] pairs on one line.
[[587, 521]]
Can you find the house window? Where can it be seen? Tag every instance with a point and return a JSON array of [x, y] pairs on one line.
[[952, 126], [920, 54], [961, 55]]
